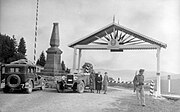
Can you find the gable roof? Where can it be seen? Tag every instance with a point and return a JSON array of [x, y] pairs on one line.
[[107, 30]]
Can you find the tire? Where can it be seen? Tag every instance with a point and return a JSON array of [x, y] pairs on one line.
[[42, 86], [30, 88], [13, 79], [80, 87], [59, 87], [74, 88]]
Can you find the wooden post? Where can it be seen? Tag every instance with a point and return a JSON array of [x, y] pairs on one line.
[[158, 72], [0, 76], [79, 59], [74, 59], [169, 83]]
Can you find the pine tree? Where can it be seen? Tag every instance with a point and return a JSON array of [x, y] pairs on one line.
[[22, 46], [7, 48], [37, 62], [41, 61]]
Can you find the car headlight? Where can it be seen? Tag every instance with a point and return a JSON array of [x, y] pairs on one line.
[[75, 77], [27, 83]]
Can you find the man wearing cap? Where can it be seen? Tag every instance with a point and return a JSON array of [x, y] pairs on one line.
[[105, 82], [139, 83]]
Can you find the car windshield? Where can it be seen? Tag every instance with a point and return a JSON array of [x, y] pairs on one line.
[[15, 70]]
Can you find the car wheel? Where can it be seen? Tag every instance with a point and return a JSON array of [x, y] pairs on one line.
[[30, 88], [80, 87], [60, 87], [74, 88], [42, 86]]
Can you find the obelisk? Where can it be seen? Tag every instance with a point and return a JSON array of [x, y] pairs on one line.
[[53, 61]]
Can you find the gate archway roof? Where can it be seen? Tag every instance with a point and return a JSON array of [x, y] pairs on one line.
[[119, 36]]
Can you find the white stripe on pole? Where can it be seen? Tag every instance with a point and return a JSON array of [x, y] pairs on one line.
[[151, 87], [36, 28]]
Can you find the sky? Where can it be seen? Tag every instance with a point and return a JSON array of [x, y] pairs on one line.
[[158, 19]]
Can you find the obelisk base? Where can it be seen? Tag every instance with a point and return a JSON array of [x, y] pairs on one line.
[[53, 62]]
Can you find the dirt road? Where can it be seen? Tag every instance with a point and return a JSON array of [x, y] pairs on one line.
[[117, 100], [51, 101]]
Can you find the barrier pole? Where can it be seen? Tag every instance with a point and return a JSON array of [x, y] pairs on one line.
[[151, 91], [169, 83]]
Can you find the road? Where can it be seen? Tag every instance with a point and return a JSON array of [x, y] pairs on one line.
[[117, 100], [51, 101]]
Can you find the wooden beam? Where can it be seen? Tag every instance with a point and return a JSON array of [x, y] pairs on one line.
[[126, 38], [120, 36], [100, 43], [91, 47], [124, 47], [130, 40], [135, 43], [101, 39], [107, 35], [116, 34]]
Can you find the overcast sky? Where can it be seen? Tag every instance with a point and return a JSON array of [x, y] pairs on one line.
[[158, 19]]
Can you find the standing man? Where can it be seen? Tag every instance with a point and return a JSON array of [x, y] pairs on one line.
[[139, 85], [105, 82]]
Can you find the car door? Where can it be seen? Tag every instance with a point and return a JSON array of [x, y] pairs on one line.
[[30, 74]]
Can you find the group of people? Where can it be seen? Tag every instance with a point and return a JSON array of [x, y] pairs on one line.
[[98, 83]]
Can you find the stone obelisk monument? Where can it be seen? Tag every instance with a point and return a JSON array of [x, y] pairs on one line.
[[53, 61]]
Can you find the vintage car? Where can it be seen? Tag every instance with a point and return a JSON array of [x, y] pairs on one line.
[[21, 75], [75, 81]]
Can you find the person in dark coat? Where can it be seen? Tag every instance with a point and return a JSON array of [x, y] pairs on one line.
[[92, 82], [99, 82]]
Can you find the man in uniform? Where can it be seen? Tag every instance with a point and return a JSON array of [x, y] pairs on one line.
[[139, 86]]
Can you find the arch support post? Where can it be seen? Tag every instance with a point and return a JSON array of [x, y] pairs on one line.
[[74, 59], [79, 60], [158, 72]]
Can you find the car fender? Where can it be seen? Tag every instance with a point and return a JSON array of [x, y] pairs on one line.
[[30, 79]]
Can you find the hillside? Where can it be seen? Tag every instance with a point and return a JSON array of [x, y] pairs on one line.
[[128, 75]]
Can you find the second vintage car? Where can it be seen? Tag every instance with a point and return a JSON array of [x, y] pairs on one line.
[[21, 75]]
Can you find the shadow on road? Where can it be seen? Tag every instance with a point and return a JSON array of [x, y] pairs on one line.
[[53, 90], [18, 91]]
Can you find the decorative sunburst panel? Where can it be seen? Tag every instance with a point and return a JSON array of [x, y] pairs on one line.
[[116, 38]]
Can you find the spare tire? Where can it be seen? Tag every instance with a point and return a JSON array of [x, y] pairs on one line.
[[13, 80]]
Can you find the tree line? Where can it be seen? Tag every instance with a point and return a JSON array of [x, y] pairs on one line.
[[11, 51]]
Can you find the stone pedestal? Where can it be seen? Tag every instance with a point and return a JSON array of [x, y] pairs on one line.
[[53, 61]]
